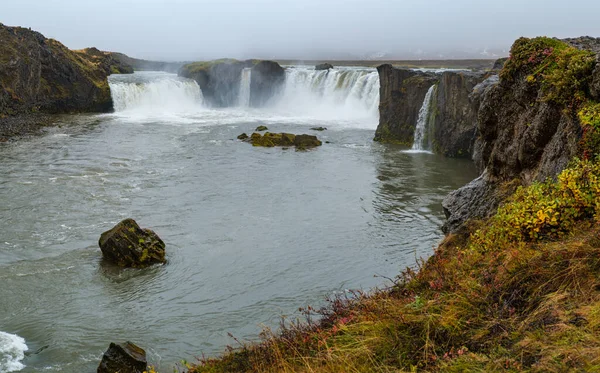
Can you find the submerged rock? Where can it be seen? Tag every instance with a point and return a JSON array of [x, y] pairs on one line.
[[123, 358], [324, 66], [318, 128], [261, 128], [128, 245]]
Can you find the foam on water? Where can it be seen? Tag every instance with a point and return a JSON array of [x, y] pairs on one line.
[[12, 352]]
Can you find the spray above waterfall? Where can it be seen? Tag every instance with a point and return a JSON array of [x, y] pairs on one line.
[[420, 141]]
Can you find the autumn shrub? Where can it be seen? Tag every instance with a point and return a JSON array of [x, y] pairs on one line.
[[545, 210], [589, 117], [563, 72]]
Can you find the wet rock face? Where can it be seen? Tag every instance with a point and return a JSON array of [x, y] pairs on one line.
[[453, 116], [323, 66], [128, 245], [42, 75], [266, 81], [401, 96], [123, 358]]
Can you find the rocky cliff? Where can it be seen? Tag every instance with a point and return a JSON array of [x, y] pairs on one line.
[[220, 80], [266, 80], [42, 75], [452, 122], [529, 123], [402, 93]]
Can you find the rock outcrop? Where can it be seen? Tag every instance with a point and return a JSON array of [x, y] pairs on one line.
[[128, 245], [219, 80], [269, 140], [324, 66], [266, 81], [123, 358], [42, 75], [527, 128], [452, 121], [401, 96], [453, 118]]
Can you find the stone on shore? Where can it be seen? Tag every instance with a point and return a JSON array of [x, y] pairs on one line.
[[128, 245]]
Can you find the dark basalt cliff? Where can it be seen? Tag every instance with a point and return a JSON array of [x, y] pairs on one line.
[[266, 80], [220, 80], [42, 75], [453, 118], [453, 114], [401, 96], [527, 123]]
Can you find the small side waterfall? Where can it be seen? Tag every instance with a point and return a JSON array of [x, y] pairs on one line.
[[244, 95], [423, 121]]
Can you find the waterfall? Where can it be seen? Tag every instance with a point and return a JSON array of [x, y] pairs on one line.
[[244, 96], [344, 93], [422, 121], [154, 92]]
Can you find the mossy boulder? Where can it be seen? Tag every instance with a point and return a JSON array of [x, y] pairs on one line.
[[242, 137], [128, 245], [261, 128], [270, 140], [123, 358], [306, 141]]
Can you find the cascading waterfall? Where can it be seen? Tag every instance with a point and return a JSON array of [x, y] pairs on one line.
[[244, 96], [152, 92], [422, 121], [345, 93]]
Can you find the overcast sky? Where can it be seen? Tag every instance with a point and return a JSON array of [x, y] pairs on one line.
[[204, 29]]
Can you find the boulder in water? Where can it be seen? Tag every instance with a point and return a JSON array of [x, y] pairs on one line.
[[318, 128], [243, 136], [261, 128], [270, 140], [128, 245], [123, 358], [324, 66], [303, 142]]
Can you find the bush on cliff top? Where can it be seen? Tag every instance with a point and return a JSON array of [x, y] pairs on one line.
[[564, 72]]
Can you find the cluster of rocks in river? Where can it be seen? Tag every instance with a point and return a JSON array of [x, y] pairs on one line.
[[269, 140]]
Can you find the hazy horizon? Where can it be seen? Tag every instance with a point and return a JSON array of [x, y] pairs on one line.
[[181, 30]]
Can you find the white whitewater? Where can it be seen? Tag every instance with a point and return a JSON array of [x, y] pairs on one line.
[[344, 93], [12, 352], [422, 121], [244, 95], [154, 92]]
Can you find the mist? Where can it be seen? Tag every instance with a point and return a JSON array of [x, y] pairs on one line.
[[181, 30]]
